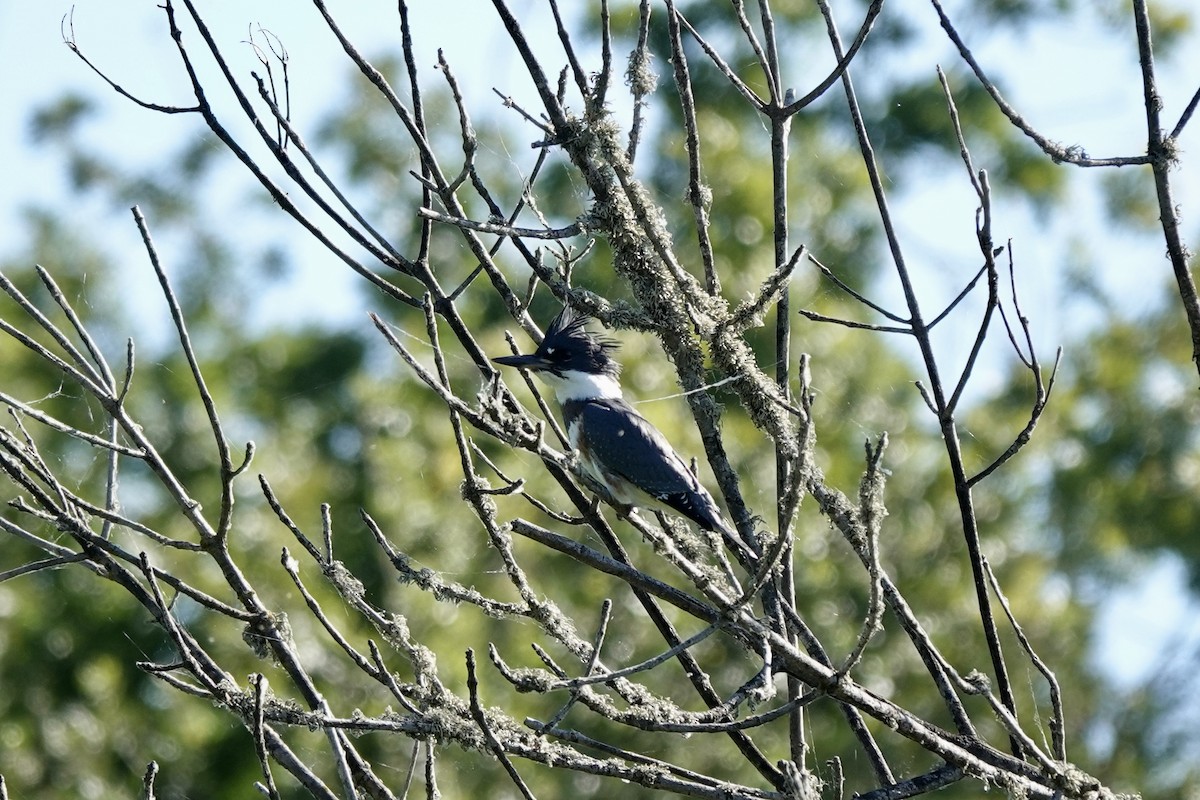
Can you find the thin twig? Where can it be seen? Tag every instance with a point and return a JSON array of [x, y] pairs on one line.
[[44, 564], [699, 196], [1162, 156], [935, 396], [493, 743], [927, 783], [72, 44], [604, 77], [742, 87], [966, 290], [567, 232], [828, 273], [206, 398], [259, 683], [1070, 155], [849, 323], [1177, 131], [871, 512], [639, 75], [62, 427], [843, 64], [1058, 717]]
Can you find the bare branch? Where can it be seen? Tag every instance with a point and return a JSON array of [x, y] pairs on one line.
[[259, 683], [1162, 156], [503, 230], [936, 398], [1186, 116], [725, 69], [699, 195], [480, 718], [210, 407], [1069, 155], [640, 77], [67, 28], [828, 273], [843, 64], [1057, 720]]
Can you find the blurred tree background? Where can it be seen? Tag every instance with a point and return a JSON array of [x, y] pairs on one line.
[[1104, 495]]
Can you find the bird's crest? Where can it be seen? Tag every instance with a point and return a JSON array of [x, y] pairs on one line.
[[568, 335]]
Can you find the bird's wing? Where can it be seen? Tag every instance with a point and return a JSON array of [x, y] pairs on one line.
[[628, 446]]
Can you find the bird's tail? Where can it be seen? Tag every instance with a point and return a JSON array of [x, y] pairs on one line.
[[733, 540]]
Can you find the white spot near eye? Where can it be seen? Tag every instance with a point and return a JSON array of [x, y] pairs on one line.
[[620, 433], [549, 351]]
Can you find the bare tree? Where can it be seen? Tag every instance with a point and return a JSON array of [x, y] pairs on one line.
[[691, 593]]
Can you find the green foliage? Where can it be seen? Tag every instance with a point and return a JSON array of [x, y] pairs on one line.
[[1129, 200], [1171, 25], [1129, 417], [336, 421], [915, 124], [59, 119]]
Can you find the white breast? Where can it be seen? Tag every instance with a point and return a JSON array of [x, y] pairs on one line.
[[574, 385]]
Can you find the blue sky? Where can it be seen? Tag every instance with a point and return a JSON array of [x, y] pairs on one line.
[[1076, 81]]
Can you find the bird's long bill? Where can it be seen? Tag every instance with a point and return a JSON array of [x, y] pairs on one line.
[[526, 361]]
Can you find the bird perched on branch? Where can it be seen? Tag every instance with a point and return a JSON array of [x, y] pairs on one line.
[[618, 447]]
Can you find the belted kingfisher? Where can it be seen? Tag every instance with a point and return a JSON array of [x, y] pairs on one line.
[[617, 446]]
